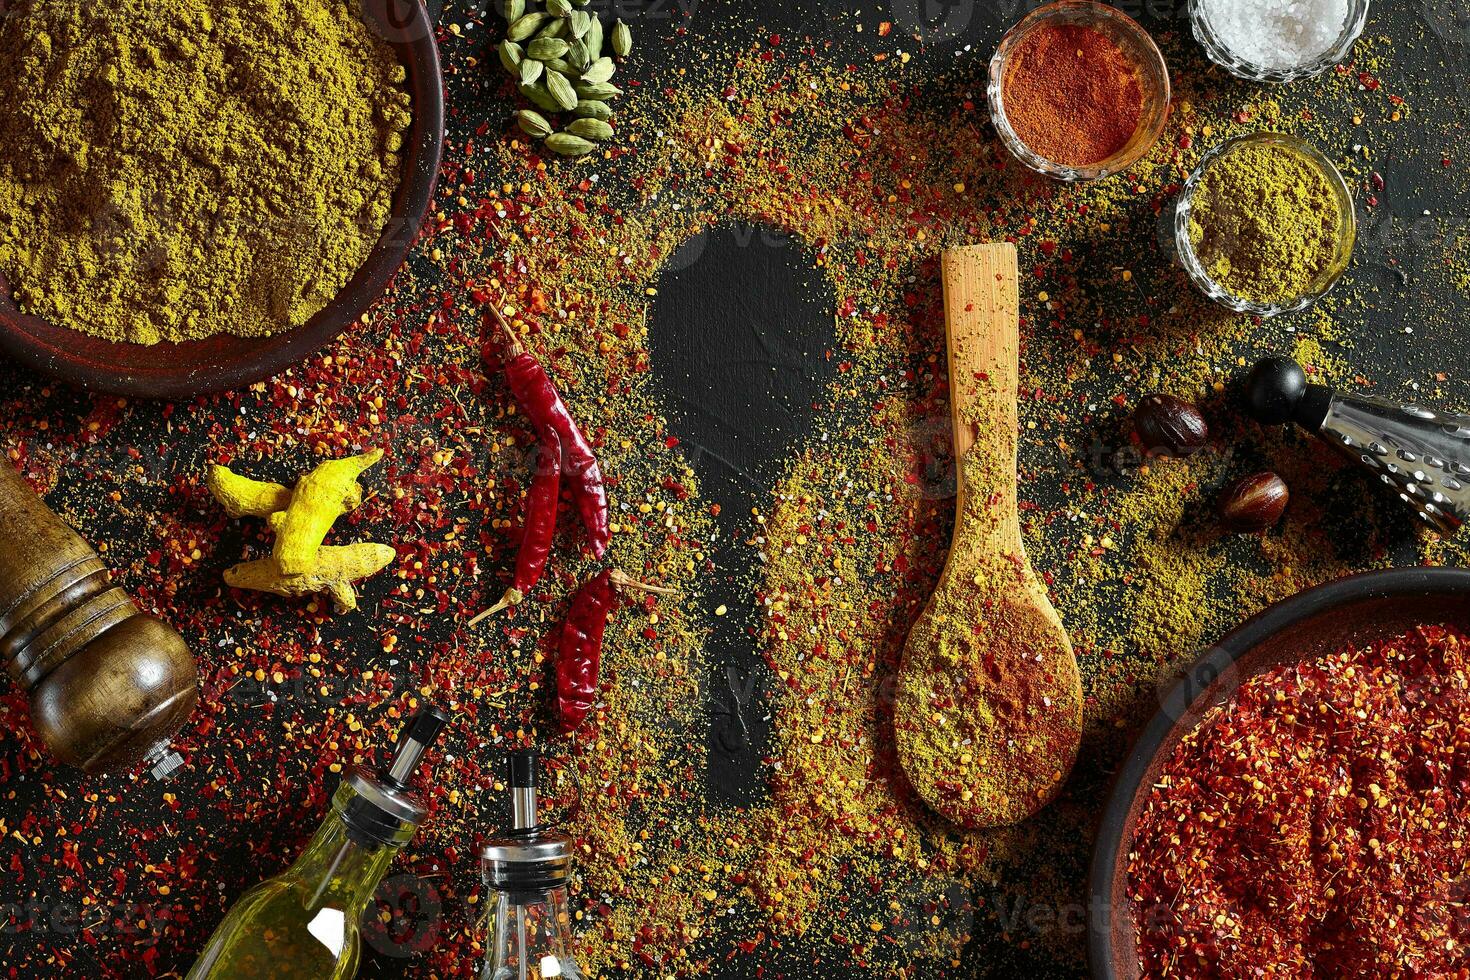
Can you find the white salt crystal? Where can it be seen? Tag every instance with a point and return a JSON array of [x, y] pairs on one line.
[[1277, 34]]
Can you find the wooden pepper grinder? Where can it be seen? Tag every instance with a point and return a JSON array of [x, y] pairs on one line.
[[109, 685]]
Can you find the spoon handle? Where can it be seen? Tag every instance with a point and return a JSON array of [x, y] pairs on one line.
[[982, 314]]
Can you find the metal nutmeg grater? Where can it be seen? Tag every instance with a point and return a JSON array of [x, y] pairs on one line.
[[1423, 454], [527, 919]]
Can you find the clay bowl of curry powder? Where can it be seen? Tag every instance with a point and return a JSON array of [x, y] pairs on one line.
[[1354, 613], [198, 194]]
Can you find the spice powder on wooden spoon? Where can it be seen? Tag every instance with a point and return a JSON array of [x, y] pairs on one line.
[[988, 706]]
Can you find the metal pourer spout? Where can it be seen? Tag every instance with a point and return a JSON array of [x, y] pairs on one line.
[[417, 736], [380, 806], [523, 766], [530, 858]]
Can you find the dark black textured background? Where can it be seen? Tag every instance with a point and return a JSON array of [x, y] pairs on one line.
[[737, 336]]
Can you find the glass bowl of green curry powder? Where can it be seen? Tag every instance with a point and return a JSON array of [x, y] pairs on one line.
[[1265, 225]]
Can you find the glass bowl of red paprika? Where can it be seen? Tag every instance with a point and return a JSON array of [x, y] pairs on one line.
[[1078, 90]]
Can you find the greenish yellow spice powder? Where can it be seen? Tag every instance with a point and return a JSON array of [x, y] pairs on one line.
[[1266, 223], [184, 169], [988, 708]]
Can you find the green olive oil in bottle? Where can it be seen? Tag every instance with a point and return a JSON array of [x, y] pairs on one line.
[[303, 924]]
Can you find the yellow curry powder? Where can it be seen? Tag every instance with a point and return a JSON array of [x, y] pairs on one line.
[[1266, 223], [183, 169]]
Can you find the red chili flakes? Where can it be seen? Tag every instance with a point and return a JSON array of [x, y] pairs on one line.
[[1318, 824]]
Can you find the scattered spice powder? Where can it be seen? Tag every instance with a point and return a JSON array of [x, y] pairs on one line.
[[1317, 824], [1073, 94], [988, 708]]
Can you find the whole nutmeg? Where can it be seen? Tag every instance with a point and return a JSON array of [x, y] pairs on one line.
[[1169, 426], [1254, 503]]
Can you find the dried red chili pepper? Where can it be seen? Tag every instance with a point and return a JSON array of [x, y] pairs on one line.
[[579, 648], [540, 526], [538, 398]]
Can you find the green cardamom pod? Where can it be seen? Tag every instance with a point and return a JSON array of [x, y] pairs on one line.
[[512, 10], [558, 8], [546, 48], [593, 38], [555, 27], [591, 129], [569, 145], [526, 26], [602, 91], [539, 96], [531, 71], [564, 66], [600, 70], [622, 39], [592, 109], [577, 55], [579, 22], [561, 90], [511, 56], [533, 124]]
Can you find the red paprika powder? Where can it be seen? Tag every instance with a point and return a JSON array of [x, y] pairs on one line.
[[1073, 94]]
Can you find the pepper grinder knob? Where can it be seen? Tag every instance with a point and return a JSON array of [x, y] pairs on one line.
[[1422, 454]]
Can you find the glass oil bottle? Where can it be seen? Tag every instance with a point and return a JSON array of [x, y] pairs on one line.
[[303, 924], [528, 922]]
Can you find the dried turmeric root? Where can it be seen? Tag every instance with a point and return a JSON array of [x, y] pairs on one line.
[[333, 572], [301, 519], [320, 497], [243, 497]]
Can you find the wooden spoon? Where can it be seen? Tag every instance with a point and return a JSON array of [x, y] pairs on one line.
[[988, 708]]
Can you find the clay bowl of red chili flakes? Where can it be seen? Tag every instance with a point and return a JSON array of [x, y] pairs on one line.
[[1233, 898]]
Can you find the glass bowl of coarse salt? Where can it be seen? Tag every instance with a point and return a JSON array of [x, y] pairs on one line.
[[1278, 40]]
